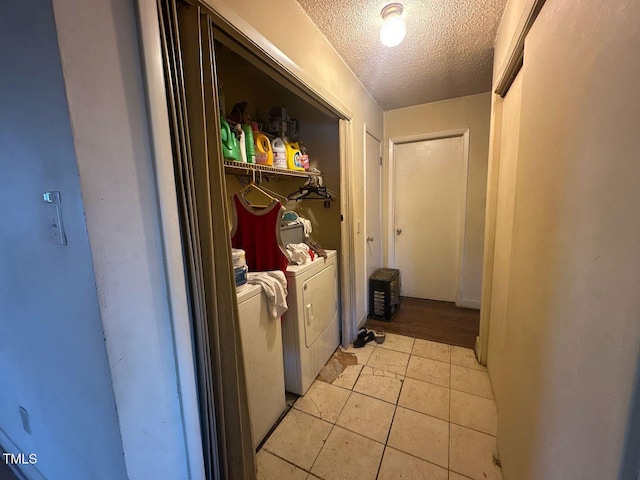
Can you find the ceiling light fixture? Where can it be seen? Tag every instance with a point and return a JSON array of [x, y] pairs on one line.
[[393, 29]]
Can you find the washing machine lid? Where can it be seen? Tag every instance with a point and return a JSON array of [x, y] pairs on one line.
[[247, 291], [320, 303]]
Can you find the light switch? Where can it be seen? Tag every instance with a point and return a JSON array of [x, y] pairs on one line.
[[24, 416], [54, 216]]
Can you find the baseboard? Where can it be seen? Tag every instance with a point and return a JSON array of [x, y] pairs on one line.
[[26, 471], [464, 303]]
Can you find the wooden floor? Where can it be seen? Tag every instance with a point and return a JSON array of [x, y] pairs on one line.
[[432, 320]]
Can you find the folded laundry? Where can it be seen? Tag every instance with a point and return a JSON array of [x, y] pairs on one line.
[[274, 284]]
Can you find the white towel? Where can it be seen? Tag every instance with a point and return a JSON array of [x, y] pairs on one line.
[[274, 285], [298, 253]]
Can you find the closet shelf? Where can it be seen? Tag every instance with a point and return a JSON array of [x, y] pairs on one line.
[[246, 168]]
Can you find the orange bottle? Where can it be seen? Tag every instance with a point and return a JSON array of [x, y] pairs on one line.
[[264, 154]]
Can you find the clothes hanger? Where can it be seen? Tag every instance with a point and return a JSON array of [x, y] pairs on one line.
[[283, 200], [313, 189], [253, 185], [312, 193]]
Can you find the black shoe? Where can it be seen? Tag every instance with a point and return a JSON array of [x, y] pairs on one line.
[[362, 341]]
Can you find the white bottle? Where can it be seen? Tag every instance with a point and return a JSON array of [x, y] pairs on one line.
[[279, 153]]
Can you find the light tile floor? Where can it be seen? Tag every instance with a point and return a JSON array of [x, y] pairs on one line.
[[411, 409]]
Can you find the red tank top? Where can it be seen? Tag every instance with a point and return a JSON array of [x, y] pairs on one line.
[[257, 232]]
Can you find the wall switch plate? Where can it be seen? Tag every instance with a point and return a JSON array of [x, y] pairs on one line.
[[54, 215], [24, 416]]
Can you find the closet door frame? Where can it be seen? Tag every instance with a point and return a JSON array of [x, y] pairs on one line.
[[265, 56]]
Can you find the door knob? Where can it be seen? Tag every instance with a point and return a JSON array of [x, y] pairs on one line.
[[370, 239], [398, 230]]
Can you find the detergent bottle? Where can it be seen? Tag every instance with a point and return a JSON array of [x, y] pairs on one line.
[[264, 155], [239, 133], [230, 149], [249, 143], [279, 153], [294, 161], [304, 158]]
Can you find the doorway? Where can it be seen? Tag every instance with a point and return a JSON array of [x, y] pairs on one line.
[[428, 196], [427, 193]]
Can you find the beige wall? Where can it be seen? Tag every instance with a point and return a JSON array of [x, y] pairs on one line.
[[285, 26], [572, 335], [470, 112]]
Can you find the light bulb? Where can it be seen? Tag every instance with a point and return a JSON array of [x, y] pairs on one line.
[[393, 29]]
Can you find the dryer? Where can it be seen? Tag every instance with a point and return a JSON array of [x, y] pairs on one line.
[[310, 327]]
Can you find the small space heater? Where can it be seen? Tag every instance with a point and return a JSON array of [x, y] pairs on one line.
[[384, 293]]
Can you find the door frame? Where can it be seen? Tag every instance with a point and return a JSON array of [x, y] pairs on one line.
[[364, 216], [391, 181]]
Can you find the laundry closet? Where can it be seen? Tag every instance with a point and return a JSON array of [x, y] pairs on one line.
[[235, 218], [288, 352]]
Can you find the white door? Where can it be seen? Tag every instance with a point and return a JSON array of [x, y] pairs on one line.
[[428, 208], [373, 202]]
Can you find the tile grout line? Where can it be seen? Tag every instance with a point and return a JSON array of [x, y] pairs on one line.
[[444, 386], [386, 442], [284, 460], [395, 409], [333, 425]]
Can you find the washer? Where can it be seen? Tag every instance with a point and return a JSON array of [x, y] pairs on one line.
[[310, 328], [261, 338]]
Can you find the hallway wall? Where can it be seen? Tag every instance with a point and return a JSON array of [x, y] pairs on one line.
[[572, 336], [472, 112], [53, 360], [154, 387]]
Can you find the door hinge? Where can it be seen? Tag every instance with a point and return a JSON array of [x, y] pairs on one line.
[[381, 161]]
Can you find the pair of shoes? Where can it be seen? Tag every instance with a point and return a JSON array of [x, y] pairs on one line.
[[364, 337]]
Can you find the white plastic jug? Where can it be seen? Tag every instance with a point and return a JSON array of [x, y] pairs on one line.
[[279, 153]]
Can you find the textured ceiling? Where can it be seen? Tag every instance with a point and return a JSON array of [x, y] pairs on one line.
[[447, 53]]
